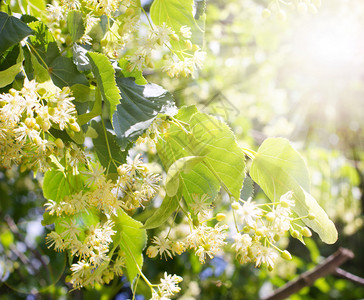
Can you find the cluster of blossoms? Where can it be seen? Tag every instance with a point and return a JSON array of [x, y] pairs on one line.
[[158, 129], [176, 63], [25, 119], [206, 241], [123, 35], [302, 6], [256, 242], [91, 9], [91, 244], [167, 288]]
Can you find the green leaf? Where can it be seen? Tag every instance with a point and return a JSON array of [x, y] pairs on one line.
[[161, 215], [132, 240], [105, 76], [185, 165], [223, 162], [55, 185], [75, 25], [40, 73], [83, 93], [176, 13], [139, 106], [32, 7], [12, 31], [64, 72], [278, 168], [248, 189], [102, 151], [7, 76]]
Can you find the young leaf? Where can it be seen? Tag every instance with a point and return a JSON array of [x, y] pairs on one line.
[[185, 165], [278, 168], [139, 106], [105, 76], [55, 185], [12, 31], [75, 25], [168, 206], [102, 147], [132, 240], [7, 76], [223, 162]]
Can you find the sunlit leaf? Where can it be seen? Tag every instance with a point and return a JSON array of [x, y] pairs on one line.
[[278, 168], [223, 162], [75, 25], [161, 215], [7, 76], [185, 165], [132, 240], [105, 76]]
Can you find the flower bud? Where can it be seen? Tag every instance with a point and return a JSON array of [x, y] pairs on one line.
[[59, 143], [259, 232], [45, 125], [174, 37], [306, 232], [235, 205], [286, 255], [295, 234], [75, 127], [276, 237], [188, 44], [220, 217], [311, 216], [30, 122]]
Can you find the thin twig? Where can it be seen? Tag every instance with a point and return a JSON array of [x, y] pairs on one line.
[[327, 267], [349, 276]]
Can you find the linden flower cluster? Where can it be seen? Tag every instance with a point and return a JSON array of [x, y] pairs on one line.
[[25, 118], [177, 63], [302, 6], [256, 242], [156, 130], [264, 228], [123, 34], [167, 288], [91, 9], [206, 241], [90, 245]]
